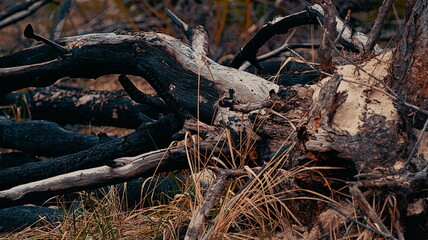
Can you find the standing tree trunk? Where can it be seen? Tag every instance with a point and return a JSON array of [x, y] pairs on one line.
[[409, 68]]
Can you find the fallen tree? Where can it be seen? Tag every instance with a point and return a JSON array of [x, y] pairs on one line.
[[354, 121]]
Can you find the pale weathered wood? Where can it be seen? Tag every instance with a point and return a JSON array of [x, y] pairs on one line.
[[120, 170], [146, 138], [164, 61]]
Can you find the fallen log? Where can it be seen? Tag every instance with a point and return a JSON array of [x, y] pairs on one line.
[[44, 138], [120, 170], [146, 138], [68, 105], [19, 217], [166, 63]]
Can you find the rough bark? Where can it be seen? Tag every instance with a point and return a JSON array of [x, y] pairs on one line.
[[165, 62], [44, 138], [67, 105], [17, 218], [14, 159], [324, 56], [409, 69], [120, 170], [145, 138]]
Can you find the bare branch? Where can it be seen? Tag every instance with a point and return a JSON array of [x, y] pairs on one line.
[[350, 40], [195, 229], [377, 28], [144, 139], [197, 35], [20, 11], [368, 210], [62, 15]]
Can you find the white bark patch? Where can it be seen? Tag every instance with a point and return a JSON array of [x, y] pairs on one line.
[[363, 101], [248, 87]]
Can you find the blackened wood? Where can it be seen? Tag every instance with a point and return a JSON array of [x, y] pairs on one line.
[[277, 26], [29, 33], [14, 159], [144, 165], [140, 97], [350, 39], [14, 218], [174, 65], [410, 59], [147, 137], [43, 138], [67, 105]]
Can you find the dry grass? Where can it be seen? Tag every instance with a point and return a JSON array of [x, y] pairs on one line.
[[254, 207], [263, 205]]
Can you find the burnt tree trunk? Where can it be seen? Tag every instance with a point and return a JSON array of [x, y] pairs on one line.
[[410, 63]]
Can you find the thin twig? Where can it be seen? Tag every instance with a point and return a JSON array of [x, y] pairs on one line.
[[356, 221], [421, 135], [302, 58], [29, 33], [177, 21], [20, 11], [195, 229], [345, 22], [369, 211]]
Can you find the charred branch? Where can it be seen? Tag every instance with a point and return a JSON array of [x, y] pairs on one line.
[[19, 217], [14, 159], [43, 138], [165, 62], [350, 40], [68, 105], [139, 96], [144, 139], [29, 33], [324, 52], [125, 169], [378, 25]]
